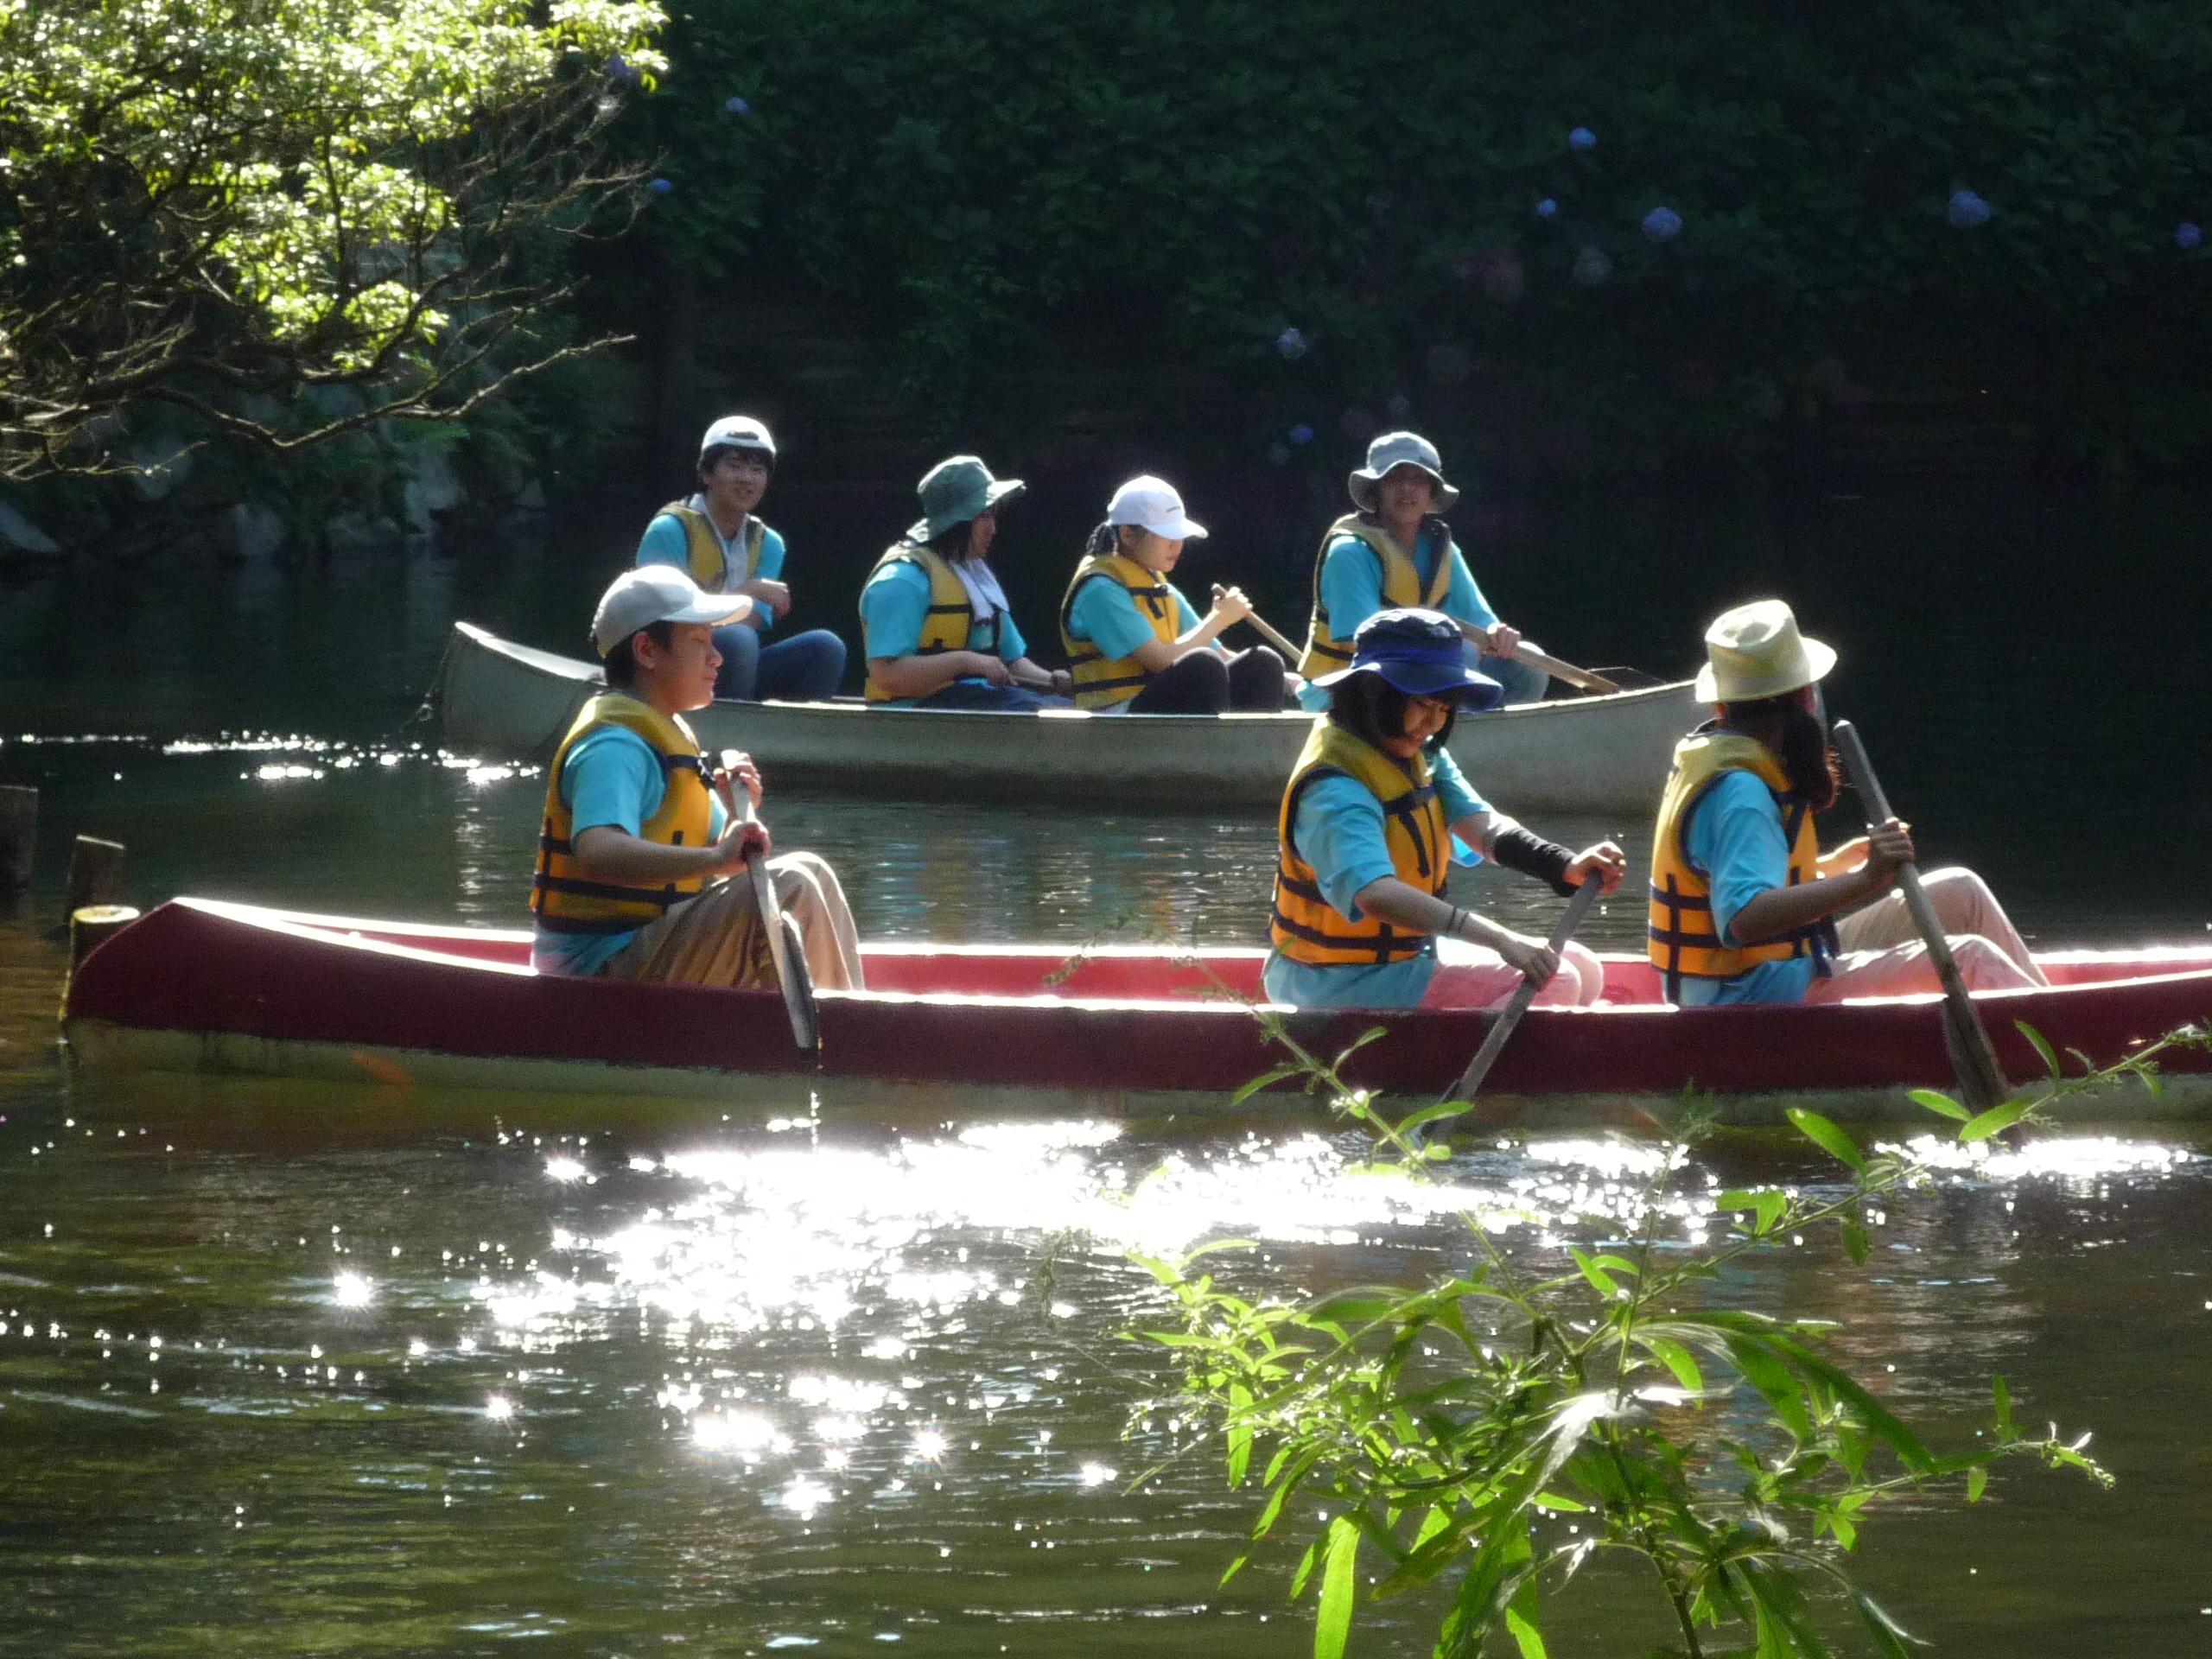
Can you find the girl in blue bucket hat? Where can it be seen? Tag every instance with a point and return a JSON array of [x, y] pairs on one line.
[[937, 629], [1366, 837]]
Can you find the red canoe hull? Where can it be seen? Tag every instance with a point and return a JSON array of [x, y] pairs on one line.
[[212, 986]]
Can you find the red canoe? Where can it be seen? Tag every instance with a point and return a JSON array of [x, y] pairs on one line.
[[200, 985]]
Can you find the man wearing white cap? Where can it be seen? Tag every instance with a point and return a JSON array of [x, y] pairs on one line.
[[1134, 642], [637, 840], [717, 538], [1397, 551], [1744, 907]]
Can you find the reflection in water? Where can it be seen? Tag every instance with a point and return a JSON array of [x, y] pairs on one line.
[[831, 1381]]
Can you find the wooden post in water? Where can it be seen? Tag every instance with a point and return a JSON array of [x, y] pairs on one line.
[[94, 923], [95, 873], [18, 835]]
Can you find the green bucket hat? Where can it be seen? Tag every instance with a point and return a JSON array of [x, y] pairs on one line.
[[953, 492]]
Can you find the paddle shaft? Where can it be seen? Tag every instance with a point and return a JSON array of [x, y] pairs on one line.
[[791, 973], [1551, 666], [1523, 995], [1972, 1058]]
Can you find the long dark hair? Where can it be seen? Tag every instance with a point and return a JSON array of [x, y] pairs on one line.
[[1371, 709], [951, 543], [1801, 738]]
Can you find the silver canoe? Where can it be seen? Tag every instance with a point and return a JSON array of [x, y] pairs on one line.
[[1584, 754]]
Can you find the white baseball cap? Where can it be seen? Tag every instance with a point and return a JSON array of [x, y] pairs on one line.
[[1152, 504], [738, 432], [658, 593]]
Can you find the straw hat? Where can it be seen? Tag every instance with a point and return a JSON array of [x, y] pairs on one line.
[[1755, 650]]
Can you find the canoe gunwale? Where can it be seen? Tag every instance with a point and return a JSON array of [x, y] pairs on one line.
[[499, 699], [270, 989]]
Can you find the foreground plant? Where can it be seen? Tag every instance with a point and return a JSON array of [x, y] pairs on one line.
[[1447, 1427]]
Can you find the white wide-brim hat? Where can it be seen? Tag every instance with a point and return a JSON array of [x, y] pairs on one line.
[[1755, 650], [1153, 504], [658, 593], [1400, 449]]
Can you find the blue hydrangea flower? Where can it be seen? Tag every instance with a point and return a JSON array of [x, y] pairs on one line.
[[1662, 224], [1301, 434], [660, 187], [1547, 207], [1966, 210], [2187, 236], [1582, 138], [1292, 344], [619, 70], [738, 106]]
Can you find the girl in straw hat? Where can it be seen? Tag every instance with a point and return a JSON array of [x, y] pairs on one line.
[[1744, 907]]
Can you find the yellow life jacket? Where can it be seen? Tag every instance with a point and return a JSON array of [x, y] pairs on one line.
[[566, 900], [1101, 683], [1326, 650], [1306, 927], [709, 566], [949, 622], [1682, 941]]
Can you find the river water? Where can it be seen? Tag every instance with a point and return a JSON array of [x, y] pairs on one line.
[[306, 1369]]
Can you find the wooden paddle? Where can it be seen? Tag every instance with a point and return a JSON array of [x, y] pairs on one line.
[[1588, 679], [1523, 995], [791, 972], [1972, 1059]]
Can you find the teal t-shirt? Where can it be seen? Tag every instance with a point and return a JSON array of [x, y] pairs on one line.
[[1340, 833], [665, 542], [1351, 590], [612, 777], [1735, 842], [1106, 613], [893, 607]]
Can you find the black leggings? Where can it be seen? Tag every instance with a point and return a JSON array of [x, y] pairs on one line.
[[1199, 682]]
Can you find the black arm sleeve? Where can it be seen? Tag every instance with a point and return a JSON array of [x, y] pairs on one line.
[[1531, 854]]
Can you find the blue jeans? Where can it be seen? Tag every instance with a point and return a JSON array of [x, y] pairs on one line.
[[1522, 683], [804, 668], [996, 699]]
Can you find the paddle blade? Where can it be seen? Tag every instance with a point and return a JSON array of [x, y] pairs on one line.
[[799, 989]]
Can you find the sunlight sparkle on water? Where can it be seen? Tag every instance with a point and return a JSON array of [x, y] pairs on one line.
[[352, 1290], [564, 1169], [499, 1408]]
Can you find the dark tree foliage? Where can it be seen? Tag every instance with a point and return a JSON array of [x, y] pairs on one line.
[[2009, 186]]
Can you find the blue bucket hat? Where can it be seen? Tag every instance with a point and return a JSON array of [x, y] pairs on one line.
[[1422, 654]]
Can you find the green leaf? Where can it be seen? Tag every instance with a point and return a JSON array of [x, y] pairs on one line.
[[1977, 1484], [1996, 1120], [1941, 1104], [1828, 1138], [1854, 1239], [2050, 1058], [1768, 1204], [1523, 1615], [1603, 1282], [1676, 1358], [1339, 1579], [1890, 1636], [1264, 1080]]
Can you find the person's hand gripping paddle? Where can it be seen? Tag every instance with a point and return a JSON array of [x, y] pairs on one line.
[[1462, 1093], [784, 948], [1972, 1059]]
